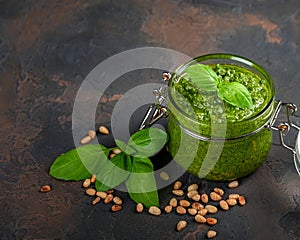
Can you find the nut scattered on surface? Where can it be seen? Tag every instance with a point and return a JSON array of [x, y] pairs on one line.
[[116, 151], [96, 200], [116, 208], [109, 191], [233, 184], [92, 134], [211, 221], [198, 206], [211, 208], [117, 200], [86, 183], [219, 191], [181, 225], [164, 176], [204, 198], [193, 187], [101, 194], [103, 130], [214, 196], [180, 210], [93, 178], [45, 188], [154, 210], [111, 155], [173, 202], [192, 211], [139, 207], [192, 193], [178, 192], [85, 140], [224, 205], [200, 219], [108, 198], [184, 203], [234, 196], [90, 192], [231, 201], [168, 209], [177, 185], [196, 197], [202, 212], [242, 200], [211, 234]]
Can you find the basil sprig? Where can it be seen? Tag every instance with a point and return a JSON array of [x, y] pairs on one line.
[[82, 162], [206, 79]]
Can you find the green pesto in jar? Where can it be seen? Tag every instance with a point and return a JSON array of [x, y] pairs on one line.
[[197, 111]]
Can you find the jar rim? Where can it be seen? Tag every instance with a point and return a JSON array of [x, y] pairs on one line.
[[230, 57]]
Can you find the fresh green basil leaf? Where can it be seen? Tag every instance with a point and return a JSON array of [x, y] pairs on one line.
[[147, 142], [72, 165], [236, 94], [114, 172], [203, 77], [139, 184]]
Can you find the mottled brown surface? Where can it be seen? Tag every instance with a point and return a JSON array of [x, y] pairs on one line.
[[46, 50]]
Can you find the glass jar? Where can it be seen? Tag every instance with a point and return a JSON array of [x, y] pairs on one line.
[[209, 137], [212, 145]]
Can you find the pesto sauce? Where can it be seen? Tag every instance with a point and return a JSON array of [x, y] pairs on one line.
[[239, 157]]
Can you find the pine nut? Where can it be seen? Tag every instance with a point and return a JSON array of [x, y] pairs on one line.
[[233, 184], [116, 208], [111, 155], [184, 203], [168, 209], [200, 219], [117, 200], [196, 197], [224, 205], [103, 130], [116, 151], [85, 140], [231, 201], [173, 202], [198, 206], [45, 188], [101, 194], [193, 187], [204, 198], [180, 210], [164, 176], [211, 208], [202, 212], [96, 200], [154, 210], [177, 185], [214, 196], [108, 198], [178, 192], [234, 196], [90, 192], [192, 211], [242, 200], [181, 225], [190, 194], [93, 178], [219, 191], [211, 221], [109, 191], [211, 234], [139, 207], [92, 134], [86, 183]]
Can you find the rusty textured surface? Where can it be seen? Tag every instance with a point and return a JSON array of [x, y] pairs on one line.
[[46, 50]]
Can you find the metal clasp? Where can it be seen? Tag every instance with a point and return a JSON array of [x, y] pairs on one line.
[[158, 109], [284, 128]]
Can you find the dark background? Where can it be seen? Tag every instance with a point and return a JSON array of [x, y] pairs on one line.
[[46, 50]]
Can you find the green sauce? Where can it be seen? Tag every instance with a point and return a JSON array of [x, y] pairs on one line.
[[206, 115]]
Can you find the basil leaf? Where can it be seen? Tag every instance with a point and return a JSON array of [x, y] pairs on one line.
[[236, 94], [125, 148], [69, 166], [112, 174], [147, 142], [138, 184], [203, 76]]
